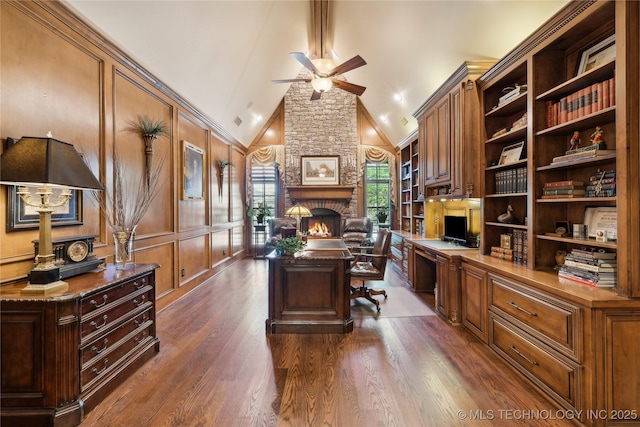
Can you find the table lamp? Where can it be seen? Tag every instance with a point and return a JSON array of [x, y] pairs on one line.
[[45, 163], [298, 212]]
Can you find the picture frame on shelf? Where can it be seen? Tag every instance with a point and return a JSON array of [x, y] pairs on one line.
[[597, 55], [320, 170], [511, 153], [192, 172], [604, 218]]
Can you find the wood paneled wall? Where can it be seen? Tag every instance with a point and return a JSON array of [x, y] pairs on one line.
[[59, 76]]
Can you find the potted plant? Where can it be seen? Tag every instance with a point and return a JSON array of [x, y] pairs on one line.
[[288, 246], [149, 129], [382, 214], [260, 212]]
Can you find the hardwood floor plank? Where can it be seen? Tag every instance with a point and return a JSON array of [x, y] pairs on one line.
[[218, 367]]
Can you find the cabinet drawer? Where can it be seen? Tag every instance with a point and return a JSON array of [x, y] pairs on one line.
[[115, 356], [552, 321], [102, 319], [555, 375], [98, 300], [102, 344]]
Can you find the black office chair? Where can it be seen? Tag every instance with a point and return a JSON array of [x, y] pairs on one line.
[[371, 265]]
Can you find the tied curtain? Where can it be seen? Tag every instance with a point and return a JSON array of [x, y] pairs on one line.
[[263, 156], [376, 155]]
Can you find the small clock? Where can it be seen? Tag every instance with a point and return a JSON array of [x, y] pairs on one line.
[[74, 255]]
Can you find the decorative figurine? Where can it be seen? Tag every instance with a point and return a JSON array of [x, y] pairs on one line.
[[507, 217], [575, 141], [596, 136], [560, 258]]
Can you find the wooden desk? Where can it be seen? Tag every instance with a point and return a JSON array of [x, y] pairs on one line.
[[310, 291], [62, 353]]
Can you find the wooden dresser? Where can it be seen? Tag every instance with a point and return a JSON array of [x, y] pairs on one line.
[[63, 353]]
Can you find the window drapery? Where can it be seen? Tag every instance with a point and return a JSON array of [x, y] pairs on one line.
[[263, 156], [377, 155]]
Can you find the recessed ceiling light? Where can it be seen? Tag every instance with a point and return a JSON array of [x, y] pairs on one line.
[[383, 118], [397, 97]]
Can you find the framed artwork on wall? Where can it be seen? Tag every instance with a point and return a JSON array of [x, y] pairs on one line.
[[320, 170], [192, 172], [25, 217]]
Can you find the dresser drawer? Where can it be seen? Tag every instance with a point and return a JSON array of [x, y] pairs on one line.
[[552, 321], [103, 344], [556, 375], [98, 300], [99, 367], [102, 319]]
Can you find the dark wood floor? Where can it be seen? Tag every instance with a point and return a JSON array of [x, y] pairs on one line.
[[217, 367]]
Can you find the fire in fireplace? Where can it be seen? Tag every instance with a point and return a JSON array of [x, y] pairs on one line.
[[318, 229]]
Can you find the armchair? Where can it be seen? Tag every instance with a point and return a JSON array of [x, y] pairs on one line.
[[275, 231], [356, 232], [371, 266]]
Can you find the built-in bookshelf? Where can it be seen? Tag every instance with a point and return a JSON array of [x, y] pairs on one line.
[[567, 114], [412, 199]]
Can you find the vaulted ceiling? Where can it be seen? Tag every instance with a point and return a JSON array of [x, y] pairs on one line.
[[222, 55]]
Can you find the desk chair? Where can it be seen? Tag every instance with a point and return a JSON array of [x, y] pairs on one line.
[[371, 265]]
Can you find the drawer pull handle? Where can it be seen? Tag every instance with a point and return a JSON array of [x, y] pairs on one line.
[[138, 304], [95, 370], [517, 307], [139, 285], [139, 340], [98, 305], [104, 322], [95, 349], [515, 350]]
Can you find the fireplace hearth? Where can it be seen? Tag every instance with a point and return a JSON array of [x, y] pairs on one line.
[[323, 223]]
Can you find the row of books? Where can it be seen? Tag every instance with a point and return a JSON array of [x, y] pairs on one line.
[[517, 254], [602, 184], [593, 268], [585, 101], [511, 181]]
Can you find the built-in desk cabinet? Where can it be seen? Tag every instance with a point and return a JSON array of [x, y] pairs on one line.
[[63, 353], [474, 300]]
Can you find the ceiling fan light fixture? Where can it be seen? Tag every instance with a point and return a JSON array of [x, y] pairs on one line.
[[321, 84], [324, 65]]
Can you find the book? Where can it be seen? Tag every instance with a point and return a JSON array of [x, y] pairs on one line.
[[582, 155], [500, 250], [563, 191], [598, 175], [562, 196], [596, 254], [596, 146], [506, 257], [568, 183], [591, 267]]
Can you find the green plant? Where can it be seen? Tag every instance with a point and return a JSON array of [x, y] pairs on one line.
[[288, 245], [223, 164], [261, 211], [382, 213], [145, 125]]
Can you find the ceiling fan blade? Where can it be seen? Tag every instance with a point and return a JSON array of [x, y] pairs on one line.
[[315, 95], [349, 65], [349, 87], [302, 58], [291, 80]]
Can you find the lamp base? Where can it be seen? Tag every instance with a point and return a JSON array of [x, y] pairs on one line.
[[43, 289]]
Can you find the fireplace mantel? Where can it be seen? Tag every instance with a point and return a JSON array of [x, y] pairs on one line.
[[321, 192]]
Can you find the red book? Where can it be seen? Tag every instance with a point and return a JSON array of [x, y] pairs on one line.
[[580, 103], [587, 100], [564, 114], [549, 105], [605, 95], [600, 96], [563, 183], [612, 91]]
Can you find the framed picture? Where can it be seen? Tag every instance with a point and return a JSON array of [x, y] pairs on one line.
[[24, 217], [192, 172], [597, 55], [320, 170], [511, 154], [604, 219]]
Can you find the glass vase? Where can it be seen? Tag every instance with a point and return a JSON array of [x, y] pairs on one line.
[[123, 248]]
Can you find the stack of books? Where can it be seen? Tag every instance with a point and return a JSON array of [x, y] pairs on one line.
[[591, 268], [563, 189], [511, 95], [519, 252], [588, 152], [502, 253], [602, 184]]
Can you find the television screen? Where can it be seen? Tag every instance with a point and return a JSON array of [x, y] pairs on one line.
[[455, 228]]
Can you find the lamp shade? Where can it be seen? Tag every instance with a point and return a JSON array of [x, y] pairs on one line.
[[298, 211], [45, 161]]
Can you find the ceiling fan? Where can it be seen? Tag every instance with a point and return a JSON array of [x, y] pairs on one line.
[[324, 74]]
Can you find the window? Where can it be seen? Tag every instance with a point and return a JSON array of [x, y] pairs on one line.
[[264, 189], [377, 182]]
